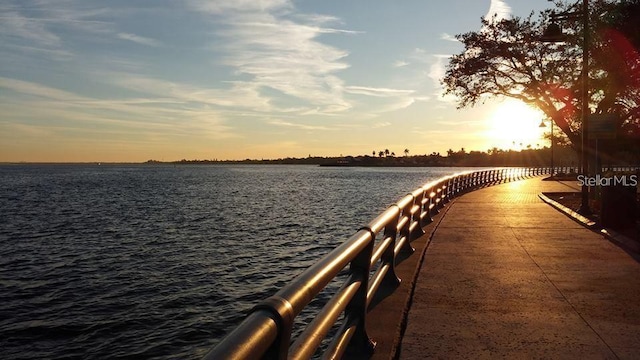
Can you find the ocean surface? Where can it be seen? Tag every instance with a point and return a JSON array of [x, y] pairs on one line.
[[160, 261]]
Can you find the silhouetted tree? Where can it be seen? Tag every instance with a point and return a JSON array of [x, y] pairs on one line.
[[506, 59]]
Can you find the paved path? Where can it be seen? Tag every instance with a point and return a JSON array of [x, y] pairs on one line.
[[508, 276]]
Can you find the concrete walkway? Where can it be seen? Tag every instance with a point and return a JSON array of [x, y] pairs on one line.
[[508, 276]]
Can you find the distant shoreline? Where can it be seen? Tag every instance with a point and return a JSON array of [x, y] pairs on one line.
[[563, 156]]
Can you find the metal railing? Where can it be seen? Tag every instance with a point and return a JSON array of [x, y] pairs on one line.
[[266, 332]]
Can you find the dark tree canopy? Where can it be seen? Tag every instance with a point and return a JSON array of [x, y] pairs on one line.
[[507, 59]]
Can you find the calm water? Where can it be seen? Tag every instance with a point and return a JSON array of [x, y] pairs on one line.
[[161, 261]]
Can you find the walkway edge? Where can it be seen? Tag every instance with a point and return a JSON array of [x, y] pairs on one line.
[[570, 213], [611, 235]]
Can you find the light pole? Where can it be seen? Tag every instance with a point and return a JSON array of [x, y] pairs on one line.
[[553, 33], [543, 125]]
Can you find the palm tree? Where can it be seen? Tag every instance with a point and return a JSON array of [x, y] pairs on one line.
[[386, 152], [406, 152], [381, 153]]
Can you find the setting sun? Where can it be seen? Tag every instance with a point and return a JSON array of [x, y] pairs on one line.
[[515, 125]]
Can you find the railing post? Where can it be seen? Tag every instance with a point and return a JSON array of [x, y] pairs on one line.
[[438, 197], [453, 184], [388, 256], [427, 206], [405, 231], [464, 183], [446, 185], [436, 200], [416, 218], [360, 346]]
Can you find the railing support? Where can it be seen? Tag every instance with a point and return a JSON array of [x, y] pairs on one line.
[[416, 215], [360, 344], [404, 225], [388, 256]]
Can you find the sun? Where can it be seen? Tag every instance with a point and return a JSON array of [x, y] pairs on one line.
[[516, 125]]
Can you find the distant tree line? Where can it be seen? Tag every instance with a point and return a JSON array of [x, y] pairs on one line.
[[563, 156]]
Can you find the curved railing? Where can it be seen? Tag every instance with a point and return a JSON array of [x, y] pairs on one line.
[[266, 332]]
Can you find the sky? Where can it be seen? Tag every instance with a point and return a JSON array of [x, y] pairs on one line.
[[130, 81]]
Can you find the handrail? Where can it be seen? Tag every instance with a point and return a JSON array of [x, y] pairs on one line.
[[267, 331]]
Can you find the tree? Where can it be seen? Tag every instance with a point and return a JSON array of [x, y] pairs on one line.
[[406, 152], [506, 59], [616, 53], [386, 152]]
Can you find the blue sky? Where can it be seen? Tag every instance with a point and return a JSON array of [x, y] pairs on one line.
[[88, 80]]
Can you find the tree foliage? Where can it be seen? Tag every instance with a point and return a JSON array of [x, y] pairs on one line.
[[507, 59]]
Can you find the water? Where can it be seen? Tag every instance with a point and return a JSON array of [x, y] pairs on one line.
[[160, 261]]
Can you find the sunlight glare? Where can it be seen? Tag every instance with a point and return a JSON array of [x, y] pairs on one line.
[[516, 125]]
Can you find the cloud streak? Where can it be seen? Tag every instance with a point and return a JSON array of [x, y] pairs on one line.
[[377, 92], [448, 37], [139, 39], [168, 115], [267, 41], [298, 126]]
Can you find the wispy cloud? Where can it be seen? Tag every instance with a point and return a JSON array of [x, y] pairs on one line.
[[20, 26], [448, 37], [169, 115], [224, 6], [41, 22], [388, 99], [400, 63], [34, 89], [398, 104], [139, 39], [238, 95], [437, 69], [500, 9], [377, 92], [268, 41], [297, 125], [381, 125]]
